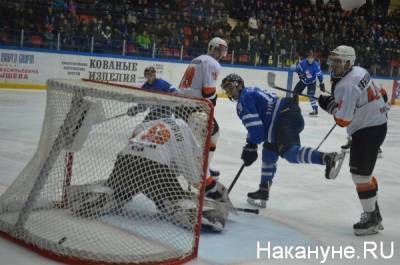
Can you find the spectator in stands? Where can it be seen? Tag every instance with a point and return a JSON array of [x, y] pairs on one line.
[[290, 25], [143, 40]]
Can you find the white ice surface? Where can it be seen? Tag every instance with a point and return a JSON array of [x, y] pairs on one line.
[[304, 209]]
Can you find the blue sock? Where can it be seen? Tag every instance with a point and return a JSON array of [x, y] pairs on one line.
[[307, 155], [268, 170], [267, 173]]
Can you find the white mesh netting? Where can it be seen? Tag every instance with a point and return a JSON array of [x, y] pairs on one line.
[[116, 177]]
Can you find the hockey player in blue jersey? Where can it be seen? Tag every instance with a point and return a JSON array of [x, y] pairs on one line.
[[277, 124], [308, 71], [157, 84], [152, 82]]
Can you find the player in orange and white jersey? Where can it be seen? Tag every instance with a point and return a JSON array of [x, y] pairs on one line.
[[200, 80], [358, 105]]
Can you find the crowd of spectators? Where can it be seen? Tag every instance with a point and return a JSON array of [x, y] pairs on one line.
[[259, 31]]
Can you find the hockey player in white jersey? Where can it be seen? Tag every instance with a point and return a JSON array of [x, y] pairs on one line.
[[358, 105], [200, 80], [154, 162]]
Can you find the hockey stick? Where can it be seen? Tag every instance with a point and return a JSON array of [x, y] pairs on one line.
[[116, 116], [235, 179], [271, 83], [326, 136], [247, 210]]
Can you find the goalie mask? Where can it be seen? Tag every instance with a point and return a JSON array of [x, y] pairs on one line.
[[341, 60], [232, 84]]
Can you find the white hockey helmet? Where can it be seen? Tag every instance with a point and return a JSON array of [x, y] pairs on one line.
[[341, 60], [218, 44]]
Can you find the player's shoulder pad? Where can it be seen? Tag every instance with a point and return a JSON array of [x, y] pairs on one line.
[[303, 62], [251, 89], [246, 92], [211, 61], [164, 82], [360, 77], [316, 63]]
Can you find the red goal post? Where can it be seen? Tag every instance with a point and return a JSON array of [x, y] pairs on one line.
[[35, 210]]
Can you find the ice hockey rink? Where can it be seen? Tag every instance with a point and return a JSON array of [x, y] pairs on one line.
[[304, 208]]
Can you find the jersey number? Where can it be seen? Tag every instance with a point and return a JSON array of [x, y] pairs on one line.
[[187, 78]]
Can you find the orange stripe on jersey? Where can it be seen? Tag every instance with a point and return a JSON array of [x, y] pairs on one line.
[[209, 91], [209, 180], [384, 94], [383, 91], [342, 123], [371, 94], [187, 78], [370, 186]]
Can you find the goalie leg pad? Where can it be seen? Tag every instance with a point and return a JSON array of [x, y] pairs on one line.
[[90, 200], [214, 215]]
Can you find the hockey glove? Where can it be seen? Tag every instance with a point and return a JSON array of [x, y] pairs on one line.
[[302, 76], [327, 103], [249, 154], [322, 87]]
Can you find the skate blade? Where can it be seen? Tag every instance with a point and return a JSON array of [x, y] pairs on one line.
[[370, 231], [345, 150], [339, 160], [257, 203]]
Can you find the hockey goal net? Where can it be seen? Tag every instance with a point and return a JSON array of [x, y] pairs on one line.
[[118, 177]]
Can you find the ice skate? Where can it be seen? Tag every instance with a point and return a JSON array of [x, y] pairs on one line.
[[380, 226], [214, 173], [333, 162], [260, 197], [379, 153], [314, 113], [347, 146], [369, 224]]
